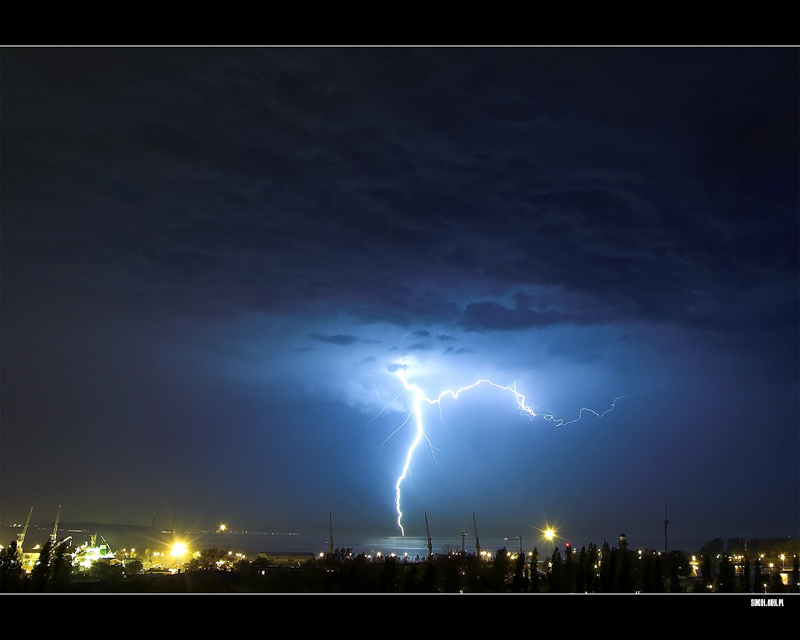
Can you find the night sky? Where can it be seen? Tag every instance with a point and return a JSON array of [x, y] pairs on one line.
[[215, 262]]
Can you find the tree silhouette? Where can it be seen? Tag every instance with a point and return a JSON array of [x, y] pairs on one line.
[[207, 560], [677, 565], [60, 569], [520, 582], [606, 569], [590, 583], [499, 571], [41, 570], [10, 569], [557, 577], [727, 575], [570, 570], [747, 585], [758, 576], [707, 570], [534, 570]]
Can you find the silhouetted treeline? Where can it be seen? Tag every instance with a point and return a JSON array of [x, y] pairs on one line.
[[593, 569]]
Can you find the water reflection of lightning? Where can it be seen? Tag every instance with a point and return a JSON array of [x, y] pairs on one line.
[[419, 397]]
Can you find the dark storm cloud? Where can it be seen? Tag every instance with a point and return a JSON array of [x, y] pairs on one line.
[[300, 178], [483, 190], [409, 183], [364, 177]]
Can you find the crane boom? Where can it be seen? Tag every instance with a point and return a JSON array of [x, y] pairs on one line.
[[21, 536], [149, 551], [54, 535]]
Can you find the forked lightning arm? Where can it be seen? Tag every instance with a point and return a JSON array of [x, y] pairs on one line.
[[420, 397]]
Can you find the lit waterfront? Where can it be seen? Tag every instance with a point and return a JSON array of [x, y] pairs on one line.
[[251, 543], [99, 557]]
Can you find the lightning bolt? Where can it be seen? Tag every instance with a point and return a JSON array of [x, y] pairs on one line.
[[416, 412]]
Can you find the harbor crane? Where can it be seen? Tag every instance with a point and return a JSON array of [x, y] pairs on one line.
[[54, 535], [148, 553], [21, 536]]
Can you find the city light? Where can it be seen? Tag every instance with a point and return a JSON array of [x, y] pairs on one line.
[[178, 549]]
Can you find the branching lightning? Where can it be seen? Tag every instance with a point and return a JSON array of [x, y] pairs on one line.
[[416, 412]]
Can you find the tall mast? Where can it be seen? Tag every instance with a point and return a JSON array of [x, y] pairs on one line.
[[330, 531], [666, 524], [428, 531], [477, 540]]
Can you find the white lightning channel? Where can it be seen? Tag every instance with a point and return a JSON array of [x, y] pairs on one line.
[[419, 397]]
